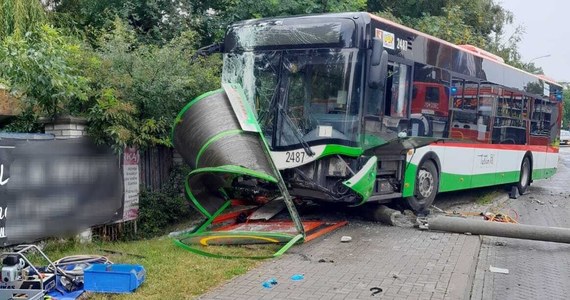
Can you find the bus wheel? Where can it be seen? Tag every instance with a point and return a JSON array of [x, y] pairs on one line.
[[427, 183], [524, 179]]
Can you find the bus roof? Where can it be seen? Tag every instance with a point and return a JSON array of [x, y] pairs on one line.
[[465, 48]]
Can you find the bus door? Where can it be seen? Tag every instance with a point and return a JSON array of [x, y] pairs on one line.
[[539, 135], [386, 115]]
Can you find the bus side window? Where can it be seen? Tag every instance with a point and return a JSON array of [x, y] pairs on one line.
[[509, 127], [397, 96], [464, 98], [554, 122], [487, 96], [537, 118]]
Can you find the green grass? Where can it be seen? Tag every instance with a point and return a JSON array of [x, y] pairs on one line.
[[172, 272], [487, 196]]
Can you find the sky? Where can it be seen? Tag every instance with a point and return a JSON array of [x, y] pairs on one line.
[[547, 32]]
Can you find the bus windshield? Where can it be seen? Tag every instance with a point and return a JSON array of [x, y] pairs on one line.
[[300, 96]]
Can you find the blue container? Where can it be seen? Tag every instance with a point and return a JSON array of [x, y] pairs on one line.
[[113, 278]]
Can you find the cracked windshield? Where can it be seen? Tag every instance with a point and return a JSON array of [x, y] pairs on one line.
[[301, 96]]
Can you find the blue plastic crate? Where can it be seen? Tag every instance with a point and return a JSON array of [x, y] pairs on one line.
[[113, 278]]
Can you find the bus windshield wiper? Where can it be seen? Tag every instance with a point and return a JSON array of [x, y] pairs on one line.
[[295, 130]]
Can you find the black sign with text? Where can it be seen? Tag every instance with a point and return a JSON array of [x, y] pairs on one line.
[[56, 187]]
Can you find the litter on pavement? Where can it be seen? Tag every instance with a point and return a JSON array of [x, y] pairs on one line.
[[297, 277], [498, 270], [269, 283]]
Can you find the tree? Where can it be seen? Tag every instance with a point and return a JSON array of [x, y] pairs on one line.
[[20, 16], [477, 22], [451, 27], [139, 89], [214, 16], [154, 21], [484, 17], [42, 67]]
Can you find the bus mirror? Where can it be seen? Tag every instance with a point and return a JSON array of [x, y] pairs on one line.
[[378, 65], [377, 48]]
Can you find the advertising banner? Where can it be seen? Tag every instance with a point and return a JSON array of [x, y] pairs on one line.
[[131, 177], [56, 187]]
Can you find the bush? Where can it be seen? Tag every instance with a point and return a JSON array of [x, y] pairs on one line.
[[167, 206]]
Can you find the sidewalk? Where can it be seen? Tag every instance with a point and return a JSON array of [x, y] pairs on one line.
[[537, 269], [405, 263]]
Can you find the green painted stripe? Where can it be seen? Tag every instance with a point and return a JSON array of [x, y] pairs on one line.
[[211, 219], [409, 180], [371, 141], [194, 200], [215, 138], [333, 149], [266, 234], [455, 182], [363, 181], [187, 107], [237, 170], [543, 173], [292, 242], [208, 254]]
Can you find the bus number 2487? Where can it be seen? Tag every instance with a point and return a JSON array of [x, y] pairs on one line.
[[295, 157]]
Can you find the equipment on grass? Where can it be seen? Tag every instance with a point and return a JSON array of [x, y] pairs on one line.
[[19, 273]]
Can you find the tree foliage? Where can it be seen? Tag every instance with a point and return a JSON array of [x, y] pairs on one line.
[[127, 64], [477, 22], [20, 16], [43, 69], [451, 27], [484, 17], [155, 21], [144, 86]]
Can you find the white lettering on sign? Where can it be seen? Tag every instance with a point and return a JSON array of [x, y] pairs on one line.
[[402, 44], [487, 159], [131, 182], [3, 180]]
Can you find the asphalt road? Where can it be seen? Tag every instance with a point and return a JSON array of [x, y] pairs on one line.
[[537, 270]]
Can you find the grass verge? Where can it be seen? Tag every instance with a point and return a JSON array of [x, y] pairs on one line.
[[172, 272], [487, 196]]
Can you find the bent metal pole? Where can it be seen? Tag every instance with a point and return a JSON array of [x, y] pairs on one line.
[[517, 231]]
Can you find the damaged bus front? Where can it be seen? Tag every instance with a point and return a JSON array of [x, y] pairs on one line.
[[306, 78]]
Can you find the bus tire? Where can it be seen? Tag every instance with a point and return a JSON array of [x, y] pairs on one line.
[[426, 187], [524, 178]]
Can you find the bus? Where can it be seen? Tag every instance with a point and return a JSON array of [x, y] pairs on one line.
[[359, 109]]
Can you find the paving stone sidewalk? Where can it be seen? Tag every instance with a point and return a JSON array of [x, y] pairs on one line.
[[537, 269], [405, 263]]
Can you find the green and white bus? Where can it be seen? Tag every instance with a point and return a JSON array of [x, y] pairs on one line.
[[359, 109]]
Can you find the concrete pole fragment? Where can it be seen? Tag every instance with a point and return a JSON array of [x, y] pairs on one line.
[[390, 216], [509, 230]]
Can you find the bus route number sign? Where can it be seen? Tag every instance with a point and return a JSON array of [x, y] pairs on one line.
[[295, 157]]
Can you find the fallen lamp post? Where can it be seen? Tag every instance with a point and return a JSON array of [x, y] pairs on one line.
[[509, 230]]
